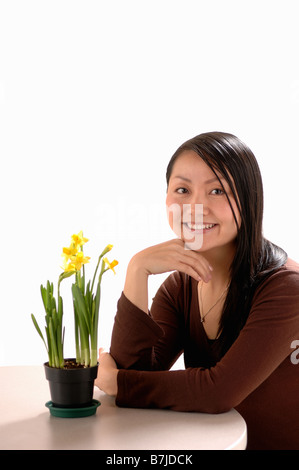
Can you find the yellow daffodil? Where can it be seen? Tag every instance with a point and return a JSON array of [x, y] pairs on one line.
[[112, 264], [72, 251], [108, 248], [68, 252], [69, 268], [78, 239], [79, 260]]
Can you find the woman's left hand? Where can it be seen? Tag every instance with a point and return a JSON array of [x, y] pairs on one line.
[[107, 373]]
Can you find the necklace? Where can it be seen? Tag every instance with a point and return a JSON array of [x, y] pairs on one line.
[[202, 319]]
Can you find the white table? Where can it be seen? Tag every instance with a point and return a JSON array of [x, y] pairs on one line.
[[26, 424]]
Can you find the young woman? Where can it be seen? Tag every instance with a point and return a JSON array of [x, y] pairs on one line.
[[231, 305]]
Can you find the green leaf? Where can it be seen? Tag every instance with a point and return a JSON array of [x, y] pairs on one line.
[[38, 329], [95, 321], [54, 344], [82, 323], [60, 309], [81, 306], [59, 339], [44, 295]]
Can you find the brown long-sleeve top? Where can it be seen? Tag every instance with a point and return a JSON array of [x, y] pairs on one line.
[[258, 376]]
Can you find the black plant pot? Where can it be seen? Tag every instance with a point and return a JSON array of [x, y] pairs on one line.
[[71, 388]]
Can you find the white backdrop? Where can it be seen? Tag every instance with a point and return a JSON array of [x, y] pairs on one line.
[[95, 96]]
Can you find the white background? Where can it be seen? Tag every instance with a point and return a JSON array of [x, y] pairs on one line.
[[95, 97]]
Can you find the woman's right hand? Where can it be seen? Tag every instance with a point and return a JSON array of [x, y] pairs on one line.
[[164, 257], [172, 256]]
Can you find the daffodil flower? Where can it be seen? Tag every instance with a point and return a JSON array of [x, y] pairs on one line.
[[112, 264], [73, 255], [79, 240], [70, 267], [79, 260], [69, 252], [108, 248]]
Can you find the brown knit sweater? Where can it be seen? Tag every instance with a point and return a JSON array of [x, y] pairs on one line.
[[257, 376]]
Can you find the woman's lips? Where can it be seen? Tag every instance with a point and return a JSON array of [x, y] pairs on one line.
[[193, 234], [199, 227]]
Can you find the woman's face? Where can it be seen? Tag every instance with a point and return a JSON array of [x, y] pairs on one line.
[[198, 210]]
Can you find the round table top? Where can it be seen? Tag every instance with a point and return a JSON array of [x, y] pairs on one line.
[[25, 422]]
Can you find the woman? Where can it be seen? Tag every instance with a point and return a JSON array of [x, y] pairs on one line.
[[231, 304]]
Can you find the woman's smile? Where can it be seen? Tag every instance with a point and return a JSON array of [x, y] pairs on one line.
[[199, 227]]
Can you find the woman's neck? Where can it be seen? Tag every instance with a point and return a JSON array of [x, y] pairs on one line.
[[221, 260]]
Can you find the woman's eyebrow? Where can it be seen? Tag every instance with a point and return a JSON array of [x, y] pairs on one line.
[[215, 178], [183, 178]]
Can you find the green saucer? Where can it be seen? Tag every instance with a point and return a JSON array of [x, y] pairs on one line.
[[73, 412]]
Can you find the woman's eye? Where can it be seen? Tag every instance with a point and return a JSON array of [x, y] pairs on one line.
[[217, 192], [181, 190]]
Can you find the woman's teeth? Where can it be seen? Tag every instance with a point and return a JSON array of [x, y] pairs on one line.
[[199, 226]]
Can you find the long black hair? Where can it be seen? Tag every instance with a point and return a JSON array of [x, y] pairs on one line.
[[255, 256]]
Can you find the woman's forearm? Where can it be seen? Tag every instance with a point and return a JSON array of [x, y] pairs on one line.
[[136, 286]]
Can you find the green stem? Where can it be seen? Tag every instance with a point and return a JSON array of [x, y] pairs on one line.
[[95, 272], [94, 357], [77, 337]]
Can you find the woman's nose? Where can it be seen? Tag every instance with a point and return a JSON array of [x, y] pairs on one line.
[[194, 212], [198, 203]]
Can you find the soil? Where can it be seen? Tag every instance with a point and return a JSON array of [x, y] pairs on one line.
[[72, 364]]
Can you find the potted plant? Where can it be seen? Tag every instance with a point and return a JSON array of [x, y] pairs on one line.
[[71, 381]]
